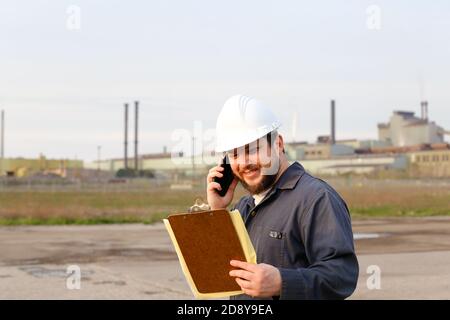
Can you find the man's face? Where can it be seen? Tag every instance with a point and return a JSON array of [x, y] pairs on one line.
[[256, 165]]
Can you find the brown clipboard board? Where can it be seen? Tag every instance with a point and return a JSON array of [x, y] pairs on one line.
[[205, 243]]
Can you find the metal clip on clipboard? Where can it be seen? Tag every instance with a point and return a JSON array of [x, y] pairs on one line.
[[199, 206]]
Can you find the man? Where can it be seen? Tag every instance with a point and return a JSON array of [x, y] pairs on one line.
[[299, 225]]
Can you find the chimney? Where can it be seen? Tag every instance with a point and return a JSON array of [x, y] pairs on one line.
[[333, 124], [125, 156], [424, 109], [136, 122], [421, 109]]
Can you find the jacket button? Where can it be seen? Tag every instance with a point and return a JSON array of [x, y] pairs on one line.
[[253, 213]]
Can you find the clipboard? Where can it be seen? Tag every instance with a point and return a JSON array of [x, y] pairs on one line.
[[205, 241]]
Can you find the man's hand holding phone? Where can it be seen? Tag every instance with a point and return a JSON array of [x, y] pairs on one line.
[[219, 179]]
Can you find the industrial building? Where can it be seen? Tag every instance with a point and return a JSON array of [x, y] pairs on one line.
[[434, 163], [405, 143], [21, 167], [404, 129]]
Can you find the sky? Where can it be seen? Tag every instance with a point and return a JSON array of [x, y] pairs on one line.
[[67, 68]]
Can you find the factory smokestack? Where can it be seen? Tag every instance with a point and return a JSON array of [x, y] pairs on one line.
[[424, 109], [136, 122], [333, 124], [125, 156], [2, 138]]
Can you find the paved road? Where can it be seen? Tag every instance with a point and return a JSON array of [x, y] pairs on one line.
[[138, 261]]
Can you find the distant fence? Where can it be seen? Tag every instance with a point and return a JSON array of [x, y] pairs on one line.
[[192, 183], [113, 185], [358, 181]]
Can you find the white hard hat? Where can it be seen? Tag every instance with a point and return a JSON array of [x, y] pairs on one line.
[[243, 120]]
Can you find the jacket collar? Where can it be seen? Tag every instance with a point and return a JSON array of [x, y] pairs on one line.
[[290, 177], [288, 180]]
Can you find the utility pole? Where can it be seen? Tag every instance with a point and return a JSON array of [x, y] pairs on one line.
[[126, 138], [333, 123], [136, 122], [99, 149]]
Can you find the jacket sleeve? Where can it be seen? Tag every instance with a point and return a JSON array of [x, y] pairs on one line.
[[333, 267]]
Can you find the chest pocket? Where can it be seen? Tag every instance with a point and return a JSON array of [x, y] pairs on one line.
[[269, 244]]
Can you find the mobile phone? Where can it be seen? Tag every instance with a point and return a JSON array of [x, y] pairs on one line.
[[227, 178]]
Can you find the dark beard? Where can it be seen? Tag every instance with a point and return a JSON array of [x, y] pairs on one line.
[[265, 184]]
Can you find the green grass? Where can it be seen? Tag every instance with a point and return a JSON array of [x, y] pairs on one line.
[[391, 211], [86, 208], [388, 201], [64, 208], [16, 221]]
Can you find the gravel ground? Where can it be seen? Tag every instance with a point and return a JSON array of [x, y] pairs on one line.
[[138, 261]]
